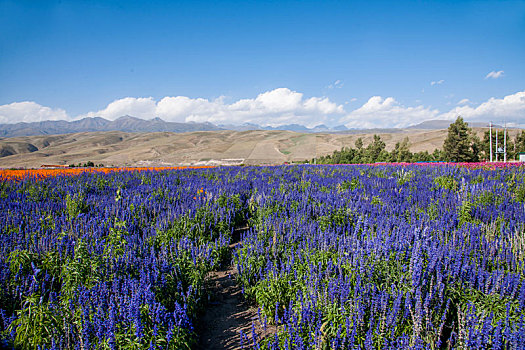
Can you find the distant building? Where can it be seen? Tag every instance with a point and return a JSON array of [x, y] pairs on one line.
[[54, 166], [522, 157]]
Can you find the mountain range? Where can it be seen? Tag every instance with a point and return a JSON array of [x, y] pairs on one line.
[[136, 125], [124, 124]]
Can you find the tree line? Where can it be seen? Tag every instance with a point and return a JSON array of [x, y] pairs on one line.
[[461, 145]]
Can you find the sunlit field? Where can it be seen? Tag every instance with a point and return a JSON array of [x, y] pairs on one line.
[[422, 256]]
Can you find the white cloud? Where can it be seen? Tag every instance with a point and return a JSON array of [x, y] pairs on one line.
[[28, 111], [336, 84], [494, 74], [380, 112], [438, 82], [275, 107], [143, 107], [511, 107], [387, 112], [281, 106]]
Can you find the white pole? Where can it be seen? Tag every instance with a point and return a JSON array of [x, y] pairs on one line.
[[505, 143], [490, 133], [496, 145]]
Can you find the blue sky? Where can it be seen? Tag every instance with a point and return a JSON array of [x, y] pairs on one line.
[[359, 63]]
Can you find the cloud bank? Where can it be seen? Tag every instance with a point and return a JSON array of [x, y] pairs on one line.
[[29, 111], [387, 112], [278, 107], [275, 107], [511, 108]]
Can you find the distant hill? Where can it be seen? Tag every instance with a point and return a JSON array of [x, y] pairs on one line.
[[124, 124], [432, 125], [131, 124], [223, 147], [438, 124], [286, 127]]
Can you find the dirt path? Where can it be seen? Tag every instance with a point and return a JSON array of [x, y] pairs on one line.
[[228, 313]]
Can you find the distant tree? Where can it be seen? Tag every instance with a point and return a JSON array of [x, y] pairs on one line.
[[519, 142], [459, 146], [475, 146], [422, 156], [375, 151], [359, 153], [359, 143], [438, 155], [485, 145], [401, 152]]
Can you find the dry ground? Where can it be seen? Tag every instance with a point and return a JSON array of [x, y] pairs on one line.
[[259, 147]]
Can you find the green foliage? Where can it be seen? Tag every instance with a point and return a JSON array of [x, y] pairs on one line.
[[519, 193], [35, 191], [82, 269], [20, 260], [376, 152], [35, 324], [390, 271], [463, 296], [486, 198], [115, 241], [352, 185], [432, 211], [277, 290], [186, 273], [75, 205], [465, 213], [460, 144], [376, 200], [446, 182], [339, 217], [404, 176]]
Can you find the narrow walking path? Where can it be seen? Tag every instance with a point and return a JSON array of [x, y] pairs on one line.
[[228, 313]]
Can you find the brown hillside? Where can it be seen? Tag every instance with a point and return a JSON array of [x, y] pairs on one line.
[[195, 148]]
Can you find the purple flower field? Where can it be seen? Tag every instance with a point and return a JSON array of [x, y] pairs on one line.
[[335, 257]]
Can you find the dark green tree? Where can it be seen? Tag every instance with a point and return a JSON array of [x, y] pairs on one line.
[[460, 145], [359, 143], [422, 156], [401, 152], [359, 154], [375, 151], [438, 155]]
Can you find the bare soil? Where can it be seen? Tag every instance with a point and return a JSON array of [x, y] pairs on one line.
[[229, 314]]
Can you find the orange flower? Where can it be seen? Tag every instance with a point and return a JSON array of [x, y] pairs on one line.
[[8, 174]]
